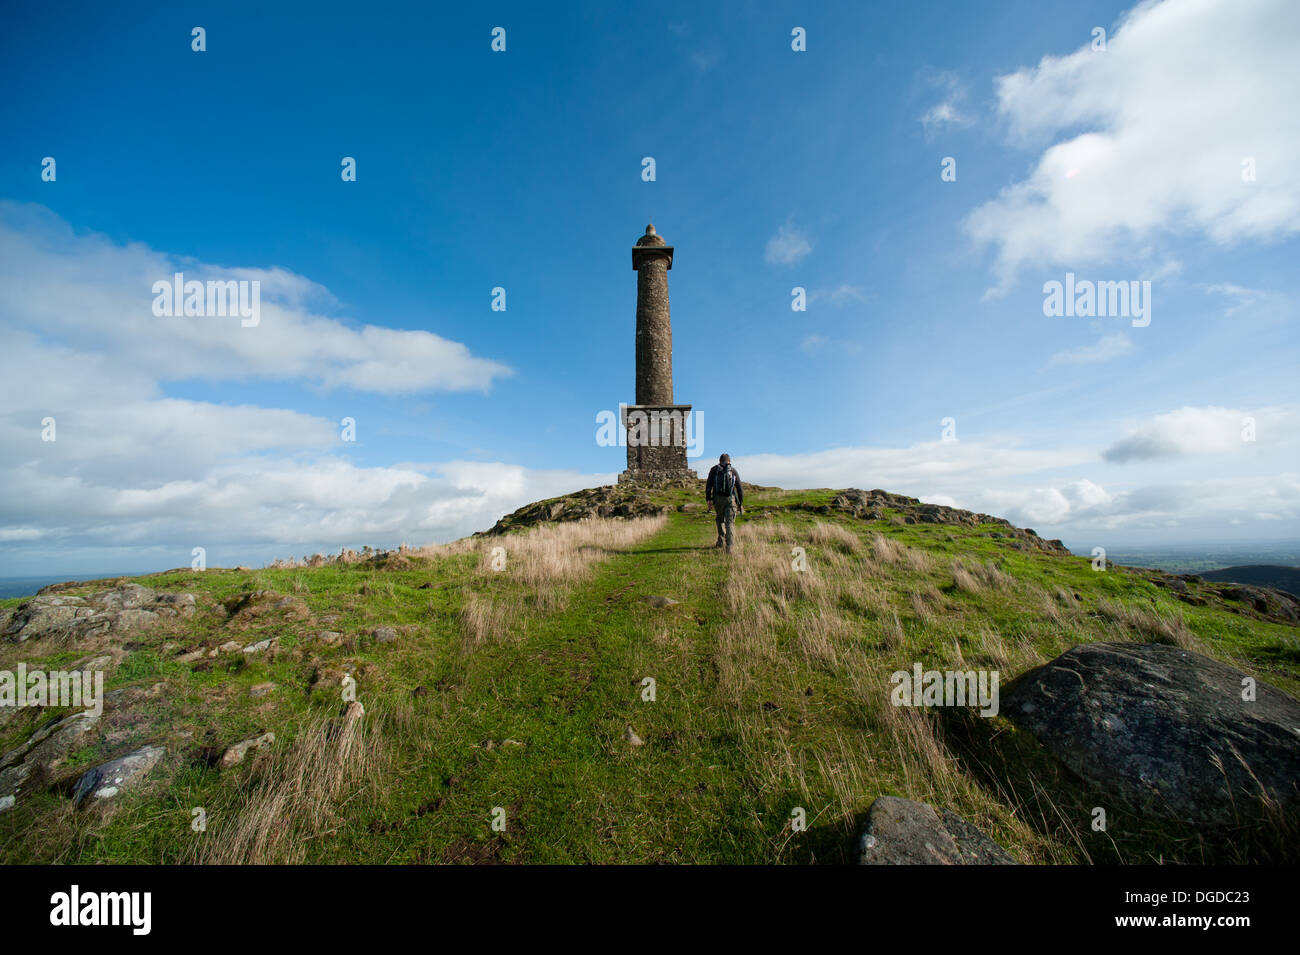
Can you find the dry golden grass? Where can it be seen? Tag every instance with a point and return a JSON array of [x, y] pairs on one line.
[[747, 648], [484, 619], [562, 554], [545, 561], [822, 635], [917, 561], [835, 535], [964, 580], [978, 578], [1149, 626], [292, 794], [839, 618], [885, 550]]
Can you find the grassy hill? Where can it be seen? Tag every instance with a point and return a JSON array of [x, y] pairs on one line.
[[516, 692]]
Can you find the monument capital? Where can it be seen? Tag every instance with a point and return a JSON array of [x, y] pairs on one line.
[[651, 246]]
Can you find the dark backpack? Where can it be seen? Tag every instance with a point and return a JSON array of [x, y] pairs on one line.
[[724, 482]]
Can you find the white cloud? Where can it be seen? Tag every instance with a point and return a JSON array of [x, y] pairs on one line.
[[932, 467], [843, 294], [1060, 491], [787, 247], [950, 110], [1107, 348], [1049, 506], [88, 291], [1239, 296], [943, 114], [275, 508], [1159, 125], [136, 478], [1210, 430]]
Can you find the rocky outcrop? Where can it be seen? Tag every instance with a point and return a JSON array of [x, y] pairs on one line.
[[36, 762], [879, 505], [904, 832], [1164, 730], [625, 500], [1248, 600], [123, 609], [1263, 602]]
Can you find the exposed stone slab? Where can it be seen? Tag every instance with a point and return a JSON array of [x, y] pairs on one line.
[[905, 832], [108, 779], [1164, 730]]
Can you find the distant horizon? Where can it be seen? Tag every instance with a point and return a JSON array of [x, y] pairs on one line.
[[1204, 548]]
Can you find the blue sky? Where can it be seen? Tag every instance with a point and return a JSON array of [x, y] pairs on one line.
[[522, 169]]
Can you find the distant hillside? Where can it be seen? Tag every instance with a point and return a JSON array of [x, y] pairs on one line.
[[1259, 575]]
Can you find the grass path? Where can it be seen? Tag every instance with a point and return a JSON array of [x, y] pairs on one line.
[[577, 789]]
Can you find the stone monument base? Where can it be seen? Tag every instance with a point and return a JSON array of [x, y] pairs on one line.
[[656, 444], [683, 477]]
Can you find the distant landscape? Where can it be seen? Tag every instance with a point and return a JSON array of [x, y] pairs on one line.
[[1201, 559], [26, 586], [1260, 575]]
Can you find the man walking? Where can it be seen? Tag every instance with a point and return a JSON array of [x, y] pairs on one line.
[[726, 497]]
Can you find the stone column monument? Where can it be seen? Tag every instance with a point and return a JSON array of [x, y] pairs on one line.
[[656, 428]]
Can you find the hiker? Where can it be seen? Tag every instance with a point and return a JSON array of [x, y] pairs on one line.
[[725, 496]]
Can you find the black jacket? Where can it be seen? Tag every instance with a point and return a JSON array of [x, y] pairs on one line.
[[713, 474]]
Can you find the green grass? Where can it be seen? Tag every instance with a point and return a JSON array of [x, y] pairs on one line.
[[748, 724]]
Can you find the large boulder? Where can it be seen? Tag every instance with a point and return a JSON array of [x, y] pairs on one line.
[[904, 832], [1165, 730], [123, 609]]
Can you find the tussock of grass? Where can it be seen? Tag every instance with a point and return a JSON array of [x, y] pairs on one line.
[[979, 577], [556, 554], [1149, 625], [542, 563], [835, 535], [884, 549], [295, 795], [484, 619]]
